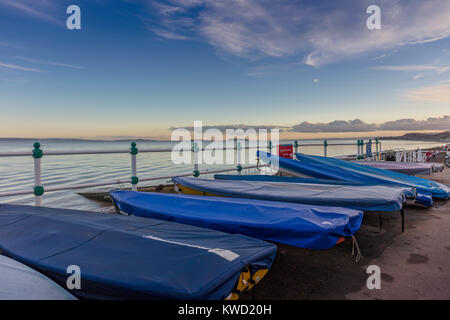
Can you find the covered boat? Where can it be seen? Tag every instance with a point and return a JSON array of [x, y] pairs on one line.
[[20, 282], [294, 224], [366, 198], [438, 190], [410, 168], [121, 257], [320, 170], [412, 197]]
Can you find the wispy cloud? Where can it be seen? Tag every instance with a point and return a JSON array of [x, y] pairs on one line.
[[43, 10], [438, 93], [321, 33], [17, 67], [7, 44], [168, 34], [438, 69], [50, 63]]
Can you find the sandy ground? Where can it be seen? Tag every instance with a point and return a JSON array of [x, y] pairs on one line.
[[414, 264]]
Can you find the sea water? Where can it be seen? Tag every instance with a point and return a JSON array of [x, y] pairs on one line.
[[17, 172]]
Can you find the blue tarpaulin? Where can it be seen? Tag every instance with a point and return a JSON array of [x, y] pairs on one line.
[[19, 282], [332, 172], [367, 198], [123, 257], [424, 200], [264, 177], [294, 224], [438, 190]]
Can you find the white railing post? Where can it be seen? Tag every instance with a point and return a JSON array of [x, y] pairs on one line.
[[378, 151], [360, 148], [195, 150], [369, 153], [295, 149], [357, 150], [38, 189], [325, 146], [238, 157], [134, 178]]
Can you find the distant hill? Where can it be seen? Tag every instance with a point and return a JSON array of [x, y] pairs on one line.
[[442, 136]]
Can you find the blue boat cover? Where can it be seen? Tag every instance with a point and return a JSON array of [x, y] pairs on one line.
[[19, 282], [294, 224], [332, 172], [123, 257], [424, 200], [265, 177], [438, 190], [367, 198], [410, 168]]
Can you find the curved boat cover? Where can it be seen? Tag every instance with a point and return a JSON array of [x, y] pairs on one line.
[[124, 257], [367, 198], [333, 172], [420, 199], [294, 224], [265, 177], [438, 190], [19, 282], [298, 168], [410, 168]]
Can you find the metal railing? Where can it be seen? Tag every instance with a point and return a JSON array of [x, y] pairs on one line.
[[37, 154]]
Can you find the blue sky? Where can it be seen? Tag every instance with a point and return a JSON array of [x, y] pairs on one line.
[[137, 68]]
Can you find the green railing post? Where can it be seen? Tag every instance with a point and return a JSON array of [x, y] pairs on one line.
[[238, 157], [325, 146], [295, 149], [134, 178], [38, 189], [195, 150]]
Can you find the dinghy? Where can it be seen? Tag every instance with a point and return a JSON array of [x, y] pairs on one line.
[[437, 190], [317, 169], [122, 257], [366, 198], [409, 168], [298, 225], [412, 197], [20, 282]]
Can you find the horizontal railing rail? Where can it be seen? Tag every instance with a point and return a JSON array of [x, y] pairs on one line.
[[37, 153], [119, 182]]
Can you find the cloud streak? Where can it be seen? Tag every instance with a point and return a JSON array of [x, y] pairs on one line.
[[44, 10], [438, 69], [21, 68], [50, 63], [438, 93], [320, 32]]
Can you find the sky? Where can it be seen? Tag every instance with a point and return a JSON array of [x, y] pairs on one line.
[[139, 68]]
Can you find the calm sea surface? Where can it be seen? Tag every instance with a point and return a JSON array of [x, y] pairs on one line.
[[17, 172]]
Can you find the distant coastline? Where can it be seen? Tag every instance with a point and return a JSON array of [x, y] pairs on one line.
[[441, 136]]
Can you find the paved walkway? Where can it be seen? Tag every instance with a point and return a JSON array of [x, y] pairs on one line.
[[414, 264]]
